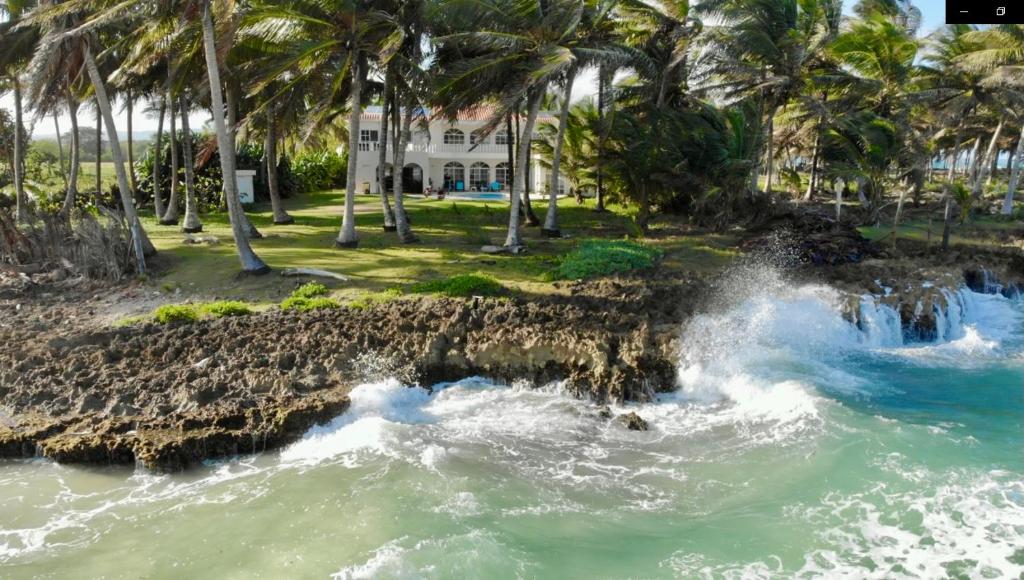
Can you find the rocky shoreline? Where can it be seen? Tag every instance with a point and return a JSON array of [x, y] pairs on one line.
[[167, 397]]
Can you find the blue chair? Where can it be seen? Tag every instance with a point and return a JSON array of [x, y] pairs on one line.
[[495, 186], [459, 186]]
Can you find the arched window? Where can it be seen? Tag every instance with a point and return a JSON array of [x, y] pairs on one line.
[[454, 137], [477, 138], [454, 176], [479, 176], [502, 173]]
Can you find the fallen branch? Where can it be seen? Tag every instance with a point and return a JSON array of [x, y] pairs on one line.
[[313, 272]]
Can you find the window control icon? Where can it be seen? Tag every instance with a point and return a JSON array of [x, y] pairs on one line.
[[1001, 11]]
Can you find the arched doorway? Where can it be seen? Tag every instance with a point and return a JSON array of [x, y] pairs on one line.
[[412, 178], [479, 176], [454, 176]]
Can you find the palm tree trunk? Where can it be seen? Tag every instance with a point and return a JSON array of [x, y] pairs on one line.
[[251, 263], [158, 159], [231, 96], [99, 157], [769, 152], [993, 167], [192, 224], [1015, 163], [131, 146], [513, 240], [526, 202], [281, 217], [141, 244], [812, 181], [983, 169], [550, 228], [347, 236], [947, 217], [382, 157], [170, 217], [643, 218], [401, 219], [599, 162], [21, 211], [60, 151], [72, 191], [956, 154], [510, 149], [972, 168]]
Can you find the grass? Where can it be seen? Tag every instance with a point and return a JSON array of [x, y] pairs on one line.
[[603, 257], [371, 298], [308, 304], [170, 313], [461, 285], [226, 308], [309, 296], [451, 234], [310, 290]]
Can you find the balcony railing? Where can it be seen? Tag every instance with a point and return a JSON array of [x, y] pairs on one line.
[[433, 148]]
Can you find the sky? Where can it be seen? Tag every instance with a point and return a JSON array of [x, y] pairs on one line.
[[933, 12]]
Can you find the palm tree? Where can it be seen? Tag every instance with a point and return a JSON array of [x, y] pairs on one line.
[[763, 50], [521, 46], [192, 224], [591, 42], [999, 54], [57, 24], [251, 263], [18, 41], [318, 39]]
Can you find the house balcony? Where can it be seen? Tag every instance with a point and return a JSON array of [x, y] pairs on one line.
[[484, 150]]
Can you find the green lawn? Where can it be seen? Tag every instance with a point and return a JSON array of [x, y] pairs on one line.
[[451, 234]]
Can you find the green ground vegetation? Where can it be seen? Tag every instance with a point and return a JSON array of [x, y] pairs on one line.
[[451, 234]]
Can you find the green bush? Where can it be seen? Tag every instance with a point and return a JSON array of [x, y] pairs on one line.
[[226, 308], [461, 285], [317, 170], [310, 290], [169, 313], [307, 304], [369, 299], [602, 257]]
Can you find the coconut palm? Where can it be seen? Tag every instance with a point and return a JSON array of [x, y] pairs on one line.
[[999, 55], [763, 50], [591, 42], [19, 41], [506, 51], [325, 39], [59, 22], [251, 263]]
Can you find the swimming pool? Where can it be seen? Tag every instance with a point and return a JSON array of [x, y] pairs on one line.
[[478, 195]]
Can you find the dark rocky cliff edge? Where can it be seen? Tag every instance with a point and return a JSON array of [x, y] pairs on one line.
[[169, 396]]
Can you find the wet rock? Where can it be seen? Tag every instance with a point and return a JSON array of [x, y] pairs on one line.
[[632, 421]]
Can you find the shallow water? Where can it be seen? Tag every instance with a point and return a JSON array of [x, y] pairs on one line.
[[798, 445]]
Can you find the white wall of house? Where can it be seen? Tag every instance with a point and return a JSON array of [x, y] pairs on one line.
[[452, 150]]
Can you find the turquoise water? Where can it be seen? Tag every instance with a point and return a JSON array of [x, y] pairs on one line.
[[798, 445]]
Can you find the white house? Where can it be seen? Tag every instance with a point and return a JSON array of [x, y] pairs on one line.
[[450, 156]]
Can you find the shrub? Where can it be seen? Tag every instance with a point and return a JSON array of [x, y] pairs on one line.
[[169, 313], [461, 285], [226, 308], [317, 170], [310, 290], [371, 298], [307, 304], [601, 258]]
